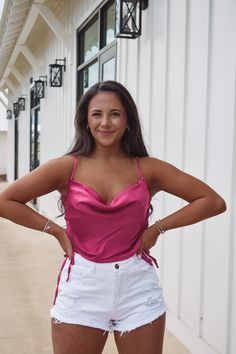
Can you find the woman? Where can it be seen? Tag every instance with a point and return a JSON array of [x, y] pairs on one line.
[[108, 280]]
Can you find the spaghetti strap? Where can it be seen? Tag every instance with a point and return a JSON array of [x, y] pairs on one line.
[[139, 167], [75, 158]]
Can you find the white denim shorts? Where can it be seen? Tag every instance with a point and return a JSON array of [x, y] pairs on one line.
[[119, 296]]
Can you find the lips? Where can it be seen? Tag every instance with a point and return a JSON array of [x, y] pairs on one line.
[[105, 132]]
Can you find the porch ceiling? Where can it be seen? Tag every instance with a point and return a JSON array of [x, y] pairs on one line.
[[14, 16]]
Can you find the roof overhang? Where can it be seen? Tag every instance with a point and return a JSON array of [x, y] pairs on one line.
[[13, 19], [18, 19]]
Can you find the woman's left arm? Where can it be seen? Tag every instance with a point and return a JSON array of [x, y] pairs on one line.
[[203, 201]]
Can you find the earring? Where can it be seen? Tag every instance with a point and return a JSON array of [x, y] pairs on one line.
[[128, 129], [88, 127]]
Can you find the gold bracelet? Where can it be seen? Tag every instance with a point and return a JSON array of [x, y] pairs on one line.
[[47, 226], [159, 227]]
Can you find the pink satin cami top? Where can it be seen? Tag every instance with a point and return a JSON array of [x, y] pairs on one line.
[[102, 232]]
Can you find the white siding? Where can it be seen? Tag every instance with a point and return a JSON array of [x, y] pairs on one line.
[[3, 121], [186, 96], [3, 153], [3, 140], [10, 151]]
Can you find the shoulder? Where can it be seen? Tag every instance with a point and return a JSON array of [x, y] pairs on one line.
[[151, 165], [157, 171], [50, 176], [57, 171], [60, 167]]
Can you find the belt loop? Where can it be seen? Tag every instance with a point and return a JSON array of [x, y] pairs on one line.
[[72, 262]]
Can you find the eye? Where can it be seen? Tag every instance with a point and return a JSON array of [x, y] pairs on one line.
[[96, 114], [116, 114]]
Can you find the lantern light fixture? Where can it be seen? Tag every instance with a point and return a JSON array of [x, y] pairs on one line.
[[128, 14], [55, 72], [21, 102], [16, 109], [39, 86], [9, 114]]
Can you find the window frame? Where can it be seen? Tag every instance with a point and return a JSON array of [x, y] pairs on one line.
[[111, 48]]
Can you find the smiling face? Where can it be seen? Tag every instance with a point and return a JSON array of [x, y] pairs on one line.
[[107, 119]]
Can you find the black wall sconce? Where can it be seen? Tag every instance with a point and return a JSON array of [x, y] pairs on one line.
[[55, 72], [39, 86], [9, 114], [16, 109], [128, 23], [21, 103]]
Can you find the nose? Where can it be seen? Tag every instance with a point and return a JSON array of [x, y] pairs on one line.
[[105, 120]]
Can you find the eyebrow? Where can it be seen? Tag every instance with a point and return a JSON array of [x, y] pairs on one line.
[[112, 110]]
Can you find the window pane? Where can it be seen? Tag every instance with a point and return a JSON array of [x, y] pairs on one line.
[[90, 76], [108, 70], [110, 33], [91, 46]]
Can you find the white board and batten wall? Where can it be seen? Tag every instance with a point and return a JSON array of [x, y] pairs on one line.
[[3, 140], [181, 73]]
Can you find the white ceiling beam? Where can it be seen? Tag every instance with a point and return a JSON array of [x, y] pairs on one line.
[[54, 24], [30, 57], [31, 18], [20, 78]]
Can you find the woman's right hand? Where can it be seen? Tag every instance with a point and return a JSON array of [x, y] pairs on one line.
[[65, 243]]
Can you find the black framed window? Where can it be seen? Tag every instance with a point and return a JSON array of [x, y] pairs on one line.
[[34, 133], [96, 48]]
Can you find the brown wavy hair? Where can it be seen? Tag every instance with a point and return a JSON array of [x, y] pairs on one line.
[[132, 141]]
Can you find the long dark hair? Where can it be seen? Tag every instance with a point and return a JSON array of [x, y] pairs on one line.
[[132, 141]]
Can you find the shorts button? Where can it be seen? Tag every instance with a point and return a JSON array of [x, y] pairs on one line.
[[117, 266]]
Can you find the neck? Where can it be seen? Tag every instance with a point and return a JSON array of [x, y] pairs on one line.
[[108, 153]]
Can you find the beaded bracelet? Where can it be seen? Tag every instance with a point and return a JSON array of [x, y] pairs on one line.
[[159, 227], [47, 226]]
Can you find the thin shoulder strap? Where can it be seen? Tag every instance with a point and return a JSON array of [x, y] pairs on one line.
[[75, 159], [139, 167]]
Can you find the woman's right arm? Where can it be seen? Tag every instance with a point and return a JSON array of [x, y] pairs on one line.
[[53, 175]]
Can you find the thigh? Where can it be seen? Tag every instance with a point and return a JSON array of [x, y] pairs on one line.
[[77, 339], [144, 339]]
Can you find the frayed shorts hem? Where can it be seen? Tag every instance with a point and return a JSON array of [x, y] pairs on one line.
[[59, 319]]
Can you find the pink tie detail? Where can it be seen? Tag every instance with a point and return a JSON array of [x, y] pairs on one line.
[[72, 262]]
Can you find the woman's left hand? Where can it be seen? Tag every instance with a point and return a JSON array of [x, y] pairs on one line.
[[148, 239]]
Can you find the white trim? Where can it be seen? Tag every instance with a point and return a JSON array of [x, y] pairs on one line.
[[88, 13], [54, 24], [19, 77], [31, 18], [30, 57]]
